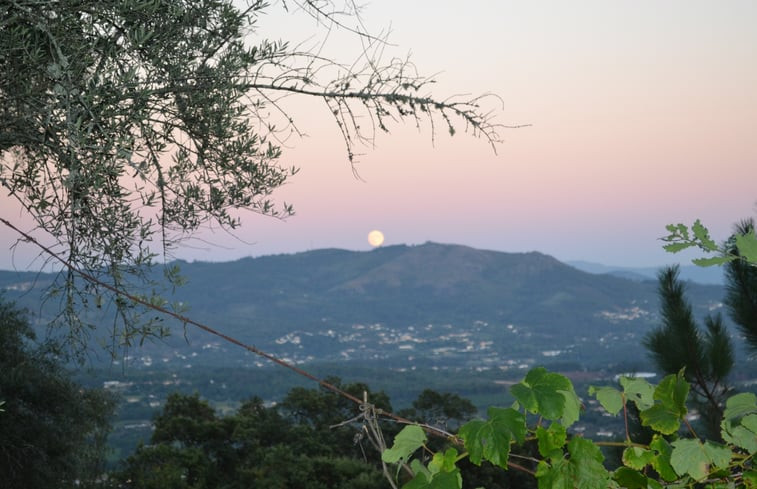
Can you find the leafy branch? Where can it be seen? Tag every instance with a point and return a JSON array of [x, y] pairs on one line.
[[740, 246], [127, 126], [738, 254]]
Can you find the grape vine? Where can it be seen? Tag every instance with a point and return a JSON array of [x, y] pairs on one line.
[[545, 407]]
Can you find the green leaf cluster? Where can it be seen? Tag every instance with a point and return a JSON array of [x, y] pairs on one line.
[[740, 421], [565, 460], [665, 415], [583, 467], [441, 472], [739, 255], [682, 237], [407, 441], [549, 395], [491, 439]]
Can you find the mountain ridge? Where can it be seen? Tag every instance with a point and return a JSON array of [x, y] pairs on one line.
[[333, 303], [693, 273]]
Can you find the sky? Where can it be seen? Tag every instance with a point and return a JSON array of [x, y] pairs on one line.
[[641, 114]]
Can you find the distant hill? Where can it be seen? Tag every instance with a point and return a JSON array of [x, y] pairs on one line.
[[693, 273], [401, 302], [410, 285]]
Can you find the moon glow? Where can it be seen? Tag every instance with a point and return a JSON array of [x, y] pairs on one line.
[[376, 238]]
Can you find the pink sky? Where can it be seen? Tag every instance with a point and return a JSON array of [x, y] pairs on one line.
[[642, 113]]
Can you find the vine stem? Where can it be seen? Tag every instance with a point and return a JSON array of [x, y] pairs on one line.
[[619, 444], [625, 417], [691, 429], [521, 468]]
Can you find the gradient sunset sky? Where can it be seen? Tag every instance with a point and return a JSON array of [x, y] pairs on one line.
[[643, 113]]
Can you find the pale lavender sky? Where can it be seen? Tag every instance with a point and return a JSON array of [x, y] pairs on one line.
[[643, 113]]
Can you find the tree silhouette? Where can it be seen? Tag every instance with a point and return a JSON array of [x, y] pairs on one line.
[[257, 446], [52, 430]]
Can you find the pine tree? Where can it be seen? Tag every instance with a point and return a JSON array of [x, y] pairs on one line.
[[705, 355], [741, 288]]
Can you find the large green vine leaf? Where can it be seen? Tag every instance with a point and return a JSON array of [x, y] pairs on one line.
[[665, 415], [551, 440], [695, 458], [739, 426], [637, 457], [554, 476], [609, 398], [661, 461], [407, 441], [639, 391], [442, 473], [440, 480], [443, 462], [572, 409], [583, 469], [632, 479], [490, 439], [548, 394]]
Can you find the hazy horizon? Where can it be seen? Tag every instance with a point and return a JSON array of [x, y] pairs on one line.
[[591, 266], [642, 114]]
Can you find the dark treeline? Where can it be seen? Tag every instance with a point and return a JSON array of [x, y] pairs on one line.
[[53, 431], [313, 439]]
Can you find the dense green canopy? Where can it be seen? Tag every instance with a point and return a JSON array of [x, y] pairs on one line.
[[52, 431]]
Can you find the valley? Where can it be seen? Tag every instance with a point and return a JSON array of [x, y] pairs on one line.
[[400, 319]]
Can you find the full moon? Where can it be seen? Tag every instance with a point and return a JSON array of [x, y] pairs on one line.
[[376, 238]]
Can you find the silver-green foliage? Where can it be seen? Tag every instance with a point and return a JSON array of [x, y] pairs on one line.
[[126, 125]]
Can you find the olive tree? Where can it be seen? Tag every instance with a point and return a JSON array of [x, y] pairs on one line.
[[126, 125]]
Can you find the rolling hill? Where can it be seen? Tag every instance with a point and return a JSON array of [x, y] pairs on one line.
[[431, 303]]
